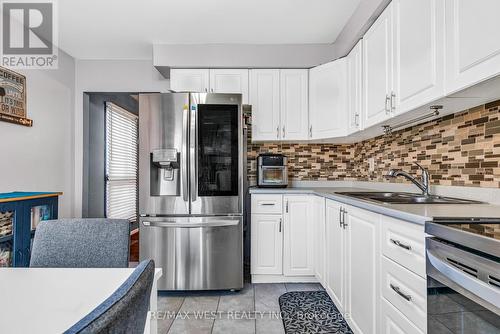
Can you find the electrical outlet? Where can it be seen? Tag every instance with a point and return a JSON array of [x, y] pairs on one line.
[[371, 164]]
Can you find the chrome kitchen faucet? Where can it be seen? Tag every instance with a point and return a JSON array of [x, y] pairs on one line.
[[423, 184]]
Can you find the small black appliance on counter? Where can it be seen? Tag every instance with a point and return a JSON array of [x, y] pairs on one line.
[[272, 171]]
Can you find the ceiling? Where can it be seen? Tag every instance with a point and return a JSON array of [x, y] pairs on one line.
[[127, 29]]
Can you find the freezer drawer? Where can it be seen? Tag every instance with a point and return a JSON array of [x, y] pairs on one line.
[[195, 253]]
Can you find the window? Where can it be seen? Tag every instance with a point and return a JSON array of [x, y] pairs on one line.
[[121, 163]]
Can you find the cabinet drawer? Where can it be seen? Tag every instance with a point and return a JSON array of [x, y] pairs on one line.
[[265, 203], [404, 243], [406, 291], [393, 321]]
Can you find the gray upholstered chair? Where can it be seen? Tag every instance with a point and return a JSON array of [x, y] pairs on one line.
[[126, 310], [81, 243]]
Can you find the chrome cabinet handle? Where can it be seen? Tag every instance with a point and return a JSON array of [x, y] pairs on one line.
[[341, 223], [344, 224], [277, 132], [280, 225], [400, 244], [387, 101], [356, 120], [311, 131], [206, 90], [399, 292], [286, 206], [283, 131], [393, 102], [268, 204]]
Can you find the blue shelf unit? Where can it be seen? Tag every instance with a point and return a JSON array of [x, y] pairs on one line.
[[23, 208]]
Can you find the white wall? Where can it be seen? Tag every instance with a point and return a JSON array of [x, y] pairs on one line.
[[108, 76], [41, 158]]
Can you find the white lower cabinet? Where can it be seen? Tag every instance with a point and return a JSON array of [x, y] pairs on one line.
[[318, 216], [372, 266], [298, 259], [282, 242], [335, 254], [267, 244], [393, 321], [362, 269], [406, 291]]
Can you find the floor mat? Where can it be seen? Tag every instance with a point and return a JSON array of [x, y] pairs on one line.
[[311, 312]]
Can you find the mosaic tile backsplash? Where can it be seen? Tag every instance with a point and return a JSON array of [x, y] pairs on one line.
[[462, 149]]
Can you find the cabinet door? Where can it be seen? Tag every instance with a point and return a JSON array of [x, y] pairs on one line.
[[189, 80], [335, 255], [377, 69], [328, 93], [362, 269], [355, 87], [298, 257], [418, 53], [230, 81], [318, 218], [265, 101], [393, 321], [294, 104], [472, 42], [266, 244]]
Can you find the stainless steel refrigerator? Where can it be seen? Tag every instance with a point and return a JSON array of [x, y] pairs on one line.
[[191, 174]]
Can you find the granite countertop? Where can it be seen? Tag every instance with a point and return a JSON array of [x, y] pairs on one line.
[[415, 213]]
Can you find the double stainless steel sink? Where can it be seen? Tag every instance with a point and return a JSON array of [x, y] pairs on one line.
[[406, 198]]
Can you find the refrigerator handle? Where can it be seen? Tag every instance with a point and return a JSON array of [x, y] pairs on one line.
[[184, 157], [193, 159]]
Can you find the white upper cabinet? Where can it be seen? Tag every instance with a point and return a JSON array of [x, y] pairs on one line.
[[377, 69], [328, 113], [294, 104], [355, 87], [472, 42], [418, 53], [230, 81], [210, 81], [298, 252], [279, 100], [189, 80], [265, 101]]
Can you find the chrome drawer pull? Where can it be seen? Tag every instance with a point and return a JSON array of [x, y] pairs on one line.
[[398, 291], [268, 204], [400, 244]]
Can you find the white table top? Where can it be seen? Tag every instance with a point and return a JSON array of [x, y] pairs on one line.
[[51, 300]]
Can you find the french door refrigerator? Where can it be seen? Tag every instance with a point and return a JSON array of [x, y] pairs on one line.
[[191, 174]]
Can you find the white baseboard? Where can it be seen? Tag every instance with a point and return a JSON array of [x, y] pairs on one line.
[[283, 279]]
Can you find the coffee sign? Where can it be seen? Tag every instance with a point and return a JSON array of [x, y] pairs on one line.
[[13, 98]]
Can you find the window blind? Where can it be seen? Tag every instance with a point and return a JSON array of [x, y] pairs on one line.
[[121, 163]]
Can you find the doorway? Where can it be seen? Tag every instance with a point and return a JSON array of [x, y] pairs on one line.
[[110, 159]]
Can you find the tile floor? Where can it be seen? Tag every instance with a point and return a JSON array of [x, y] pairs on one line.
[[252, 310]]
